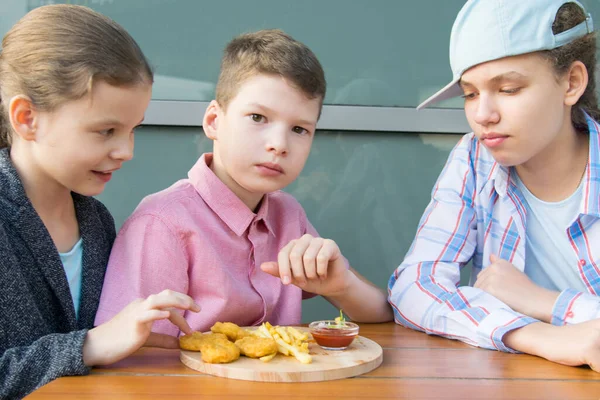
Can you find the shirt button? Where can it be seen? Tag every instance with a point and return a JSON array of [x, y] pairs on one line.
[[582, 262]]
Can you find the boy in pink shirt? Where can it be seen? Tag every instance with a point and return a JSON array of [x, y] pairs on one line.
[[227, 236]]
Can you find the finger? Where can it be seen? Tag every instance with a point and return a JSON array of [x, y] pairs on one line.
[[152, 315], [296, 258], [480, 278], [594, 366], [283, 260], [310, 258], [179, 320], [483, 283], [170, 299], [494, 258], [271, 268], [162, 341], [326, 254]]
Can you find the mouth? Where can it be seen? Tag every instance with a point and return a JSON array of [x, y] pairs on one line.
[[272, 166], [270, 169], [492, 140], [104, 176]]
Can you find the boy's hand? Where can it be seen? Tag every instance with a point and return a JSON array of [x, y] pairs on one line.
[[314, 264], [130, 329], [505, 282]]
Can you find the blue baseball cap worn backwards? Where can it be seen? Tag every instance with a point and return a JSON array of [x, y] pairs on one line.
[[487, 30]]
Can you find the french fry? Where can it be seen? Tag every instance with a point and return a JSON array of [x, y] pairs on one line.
[[304, 358], [303, 347], [297, 334], [290, 341], [267, 358], [282, 349], [265, 331], [284, 335]]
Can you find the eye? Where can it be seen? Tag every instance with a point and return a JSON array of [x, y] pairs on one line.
[[257, 117], [107, 132], [511, 90], [468, 96], [299, 130]]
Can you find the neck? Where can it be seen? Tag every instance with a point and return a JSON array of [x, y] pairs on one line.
[[250, 199], [556, 172], [51, 200]]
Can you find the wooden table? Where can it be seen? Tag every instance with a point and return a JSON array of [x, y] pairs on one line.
[[415, 366]]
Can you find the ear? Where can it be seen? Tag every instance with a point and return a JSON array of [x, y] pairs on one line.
[[23, 117], [210, 123], [576, 80]]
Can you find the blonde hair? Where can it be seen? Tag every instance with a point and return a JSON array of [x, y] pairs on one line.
[[55, 53], [270, 52], [584, 50]]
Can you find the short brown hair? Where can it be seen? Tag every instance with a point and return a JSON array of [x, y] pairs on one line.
[[270, 52], [56, 52], [584, 50]]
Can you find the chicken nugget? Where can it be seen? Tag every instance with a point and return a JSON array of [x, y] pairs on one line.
[[256, 347], [196, 340], [219, 352], [231, 330]]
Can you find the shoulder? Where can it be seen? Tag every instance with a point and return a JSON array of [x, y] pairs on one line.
[[170, 209], [284, 203], [180, 195], [286, 214]]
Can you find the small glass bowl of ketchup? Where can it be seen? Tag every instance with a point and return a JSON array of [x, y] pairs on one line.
[[333, 335]]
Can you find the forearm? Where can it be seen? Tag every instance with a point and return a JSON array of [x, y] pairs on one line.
[[362, 301], [527, 339], [24, 369], [541, 305], [468, 314]]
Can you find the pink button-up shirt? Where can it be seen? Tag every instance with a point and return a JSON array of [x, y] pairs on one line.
[[197, 237]]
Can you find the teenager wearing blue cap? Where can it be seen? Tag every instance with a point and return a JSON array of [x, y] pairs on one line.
[[520, 195]]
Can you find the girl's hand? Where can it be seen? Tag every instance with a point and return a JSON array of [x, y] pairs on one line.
[[314, 264], [130, 329], [577, 344], [505, 282]]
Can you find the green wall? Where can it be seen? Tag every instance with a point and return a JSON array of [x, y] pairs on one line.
[[365, 190]]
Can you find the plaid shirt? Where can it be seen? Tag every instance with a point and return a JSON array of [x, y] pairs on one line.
[[477, 210]]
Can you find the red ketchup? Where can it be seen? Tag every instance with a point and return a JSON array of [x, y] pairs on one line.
[[332, 335], [333, 338]]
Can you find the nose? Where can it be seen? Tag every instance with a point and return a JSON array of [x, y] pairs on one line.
[[123, 149], [277, 141], [486, 111]]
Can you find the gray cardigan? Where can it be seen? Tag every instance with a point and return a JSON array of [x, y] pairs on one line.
[[40, 338]]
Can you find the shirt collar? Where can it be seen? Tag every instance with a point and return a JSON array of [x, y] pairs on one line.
[[232, 211], [591, 178]]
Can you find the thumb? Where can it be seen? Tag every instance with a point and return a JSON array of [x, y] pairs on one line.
[[494, 258], [271, 268]]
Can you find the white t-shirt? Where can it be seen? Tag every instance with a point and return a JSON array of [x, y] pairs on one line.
[[72, 262], [550, 261]]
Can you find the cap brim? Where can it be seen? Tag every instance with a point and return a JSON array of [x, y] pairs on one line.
[[449, 91]]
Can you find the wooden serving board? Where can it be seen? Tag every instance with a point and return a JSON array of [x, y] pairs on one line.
[[362, 356]]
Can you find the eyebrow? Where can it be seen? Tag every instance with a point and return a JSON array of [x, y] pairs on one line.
[[114, 122], [269, 110], [512, 75]]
